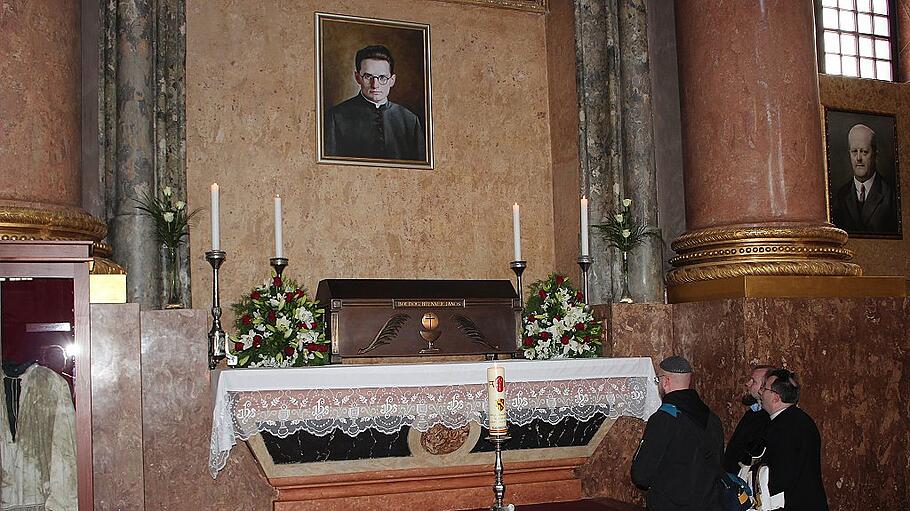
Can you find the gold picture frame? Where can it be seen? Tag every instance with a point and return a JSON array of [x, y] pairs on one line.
[[400, 134]]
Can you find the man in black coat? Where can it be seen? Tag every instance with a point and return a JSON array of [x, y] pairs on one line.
[[368, 125], [793, 445], [865, 204], [679, 458], [751, 426]]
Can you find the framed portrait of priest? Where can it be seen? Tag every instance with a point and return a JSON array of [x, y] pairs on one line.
[[373, 92], [863, 178]]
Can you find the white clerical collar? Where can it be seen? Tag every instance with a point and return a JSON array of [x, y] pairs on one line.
[[867, 183], [386, 100], [775, 414]]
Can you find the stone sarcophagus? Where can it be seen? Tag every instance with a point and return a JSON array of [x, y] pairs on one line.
[[408, 318]]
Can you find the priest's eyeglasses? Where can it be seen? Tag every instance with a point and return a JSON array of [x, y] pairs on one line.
[[382, 79]]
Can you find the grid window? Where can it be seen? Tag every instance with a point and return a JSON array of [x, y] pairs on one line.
[[856, 38]]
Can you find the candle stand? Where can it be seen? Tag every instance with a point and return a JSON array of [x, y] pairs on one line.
[[585, 262], [279, 264], [218, 339], [519, 267], [499, 487]]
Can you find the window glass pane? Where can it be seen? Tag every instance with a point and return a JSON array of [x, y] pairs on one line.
[[865, 47], [863, 5], [848, 44], [832, 64], [864, 23], [848, 66], [867, 68], [829, 18], [845, 4], [847, 20], [883, 68], [829, 3], [880, 6], [832, 42], [881, 26], [883, 49]]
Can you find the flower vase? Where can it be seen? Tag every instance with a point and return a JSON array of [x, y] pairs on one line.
[[625, 296], [172, 279]]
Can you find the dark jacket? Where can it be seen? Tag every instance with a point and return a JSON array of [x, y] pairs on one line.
[[793, 457], [751, 427], [876, 215], [358, 128], [679, 459]]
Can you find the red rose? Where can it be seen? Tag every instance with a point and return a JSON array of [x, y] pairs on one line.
[[580, 327], [301, 326], [564, 339], [579, 296], [276, 281], [542, 293], [255, 295], [238, 346], [559, 280], [587, 338], [288, 351], [257, 340], [557, 318], [313, 326], [312, 346], [247, 320], [544, 335], [528, 342], [272, 316], [323, 347], [300, 293], [289, 297]]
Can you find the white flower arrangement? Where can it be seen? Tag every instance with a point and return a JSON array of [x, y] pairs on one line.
[[557, 323]]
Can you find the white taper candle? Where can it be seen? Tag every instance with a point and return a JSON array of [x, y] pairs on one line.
[[216, 220], [516, 230], [584, 226], [279, 242]]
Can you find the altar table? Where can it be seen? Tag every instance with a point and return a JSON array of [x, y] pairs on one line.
[[355, 398]]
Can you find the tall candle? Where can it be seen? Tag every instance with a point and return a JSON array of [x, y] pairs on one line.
[[496, 398], [584, 226], [216, 221], [279, 242], [516, 231]]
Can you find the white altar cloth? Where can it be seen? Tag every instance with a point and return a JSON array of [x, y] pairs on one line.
[[355, 398]]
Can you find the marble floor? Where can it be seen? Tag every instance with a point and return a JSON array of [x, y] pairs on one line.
[[577, 505]]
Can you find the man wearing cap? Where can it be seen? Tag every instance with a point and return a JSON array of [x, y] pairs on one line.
[[679, 458]]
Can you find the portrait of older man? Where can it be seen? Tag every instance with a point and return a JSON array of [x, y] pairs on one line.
[[867, 202]]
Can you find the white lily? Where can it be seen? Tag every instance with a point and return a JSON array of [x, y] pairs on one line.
[[626, 233], [618, 217], [180, 205], [168, 217], [626, 203], [167, 191]]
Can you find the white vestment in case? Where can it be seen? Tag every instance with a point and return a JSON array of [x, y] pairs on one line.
[[39, 467]]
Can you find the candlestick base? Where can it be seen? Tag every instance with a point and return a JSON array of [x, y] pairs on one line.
[[518, 267], [279, 264], [218, 339], [499, 487], [585, 262]]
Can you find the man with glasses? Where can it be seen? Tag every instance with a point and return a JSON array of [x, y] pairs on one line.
[[368, 125], [793, 447], [751, 425], [679, 458]]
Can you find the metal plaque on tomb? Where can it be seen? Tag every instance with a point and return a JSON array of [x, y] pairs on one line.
[[408, 318]]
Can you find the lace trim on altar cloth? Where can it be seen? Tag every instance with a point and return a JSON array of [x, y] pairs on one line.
[[355, 410]]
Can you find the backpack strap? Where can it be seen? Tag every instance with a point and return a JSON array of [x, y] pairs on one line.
[[670, 409]]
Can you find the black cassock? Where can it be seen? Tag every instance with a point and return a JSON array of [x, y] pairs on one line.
[[357, 128]]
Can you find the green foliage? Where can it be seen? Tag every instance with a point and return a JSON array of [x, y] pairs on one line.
[[622, 231], [172, 220]]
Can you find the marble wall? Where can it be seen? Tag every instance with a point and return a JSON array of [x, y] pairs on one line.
[[251, 127], [877, 256], [851, 354]]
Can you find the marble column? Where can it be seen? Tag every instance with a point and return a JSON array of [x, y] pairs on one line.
[[616, 137], [132, 233], [752, 144], [40, 180]]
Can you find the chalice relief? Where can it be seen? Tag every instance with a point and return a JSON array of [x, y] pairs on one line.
[[430, 322]]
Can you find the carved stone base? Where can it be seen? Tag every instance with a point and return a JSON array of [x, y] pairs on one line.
[[783, 249]]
